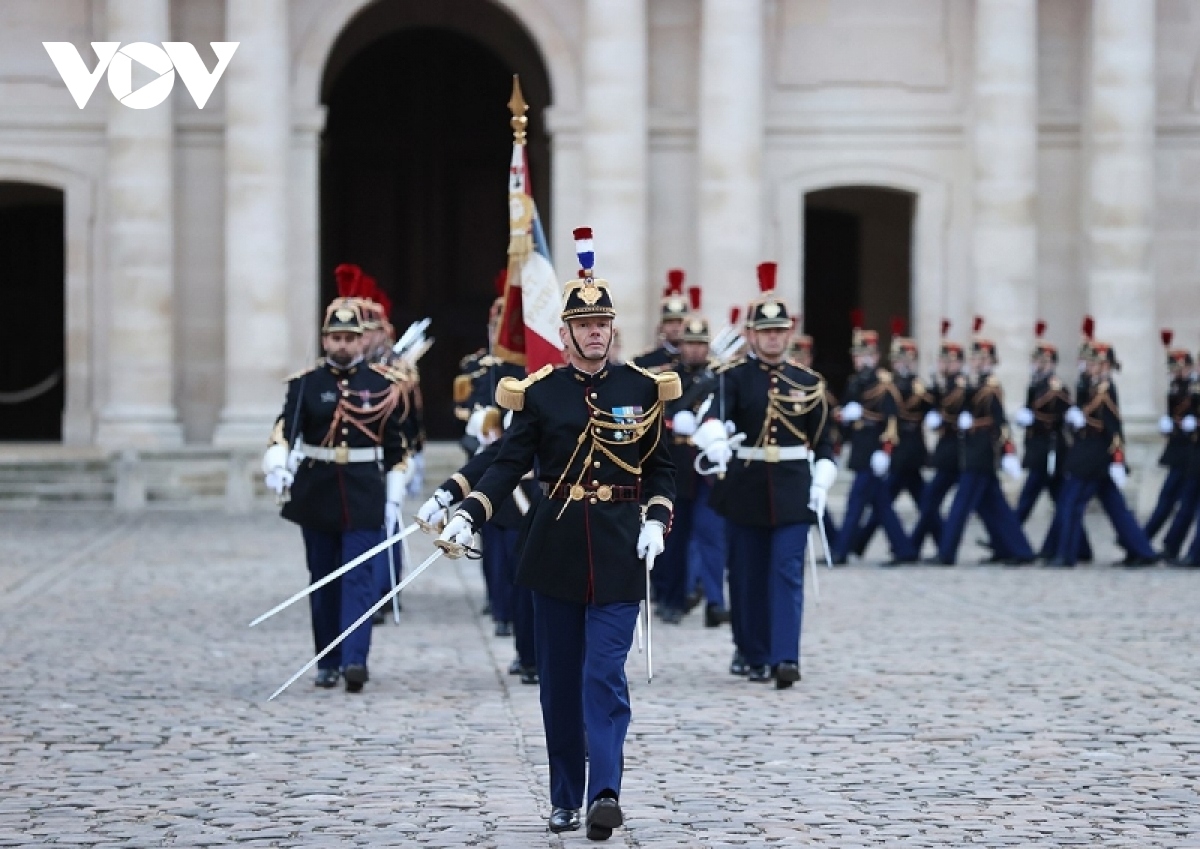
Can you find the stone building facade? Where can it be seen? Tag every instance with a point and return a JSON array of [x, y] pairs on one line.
[[1021, 159]]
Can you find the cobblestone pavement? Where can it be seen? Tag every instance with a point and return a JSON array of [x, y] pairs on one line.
[[950, 707]]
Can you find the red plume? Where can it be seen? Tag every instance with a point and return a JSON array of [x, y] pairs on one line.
[[856, 318], [1039, 329], [945, 327], [694, 297], [1167, 336], [766, 276], [674, 281], [978, 324], [1089, 326], [368, 289], [347, 276], [899, 325], [500, 281], [735, 315]]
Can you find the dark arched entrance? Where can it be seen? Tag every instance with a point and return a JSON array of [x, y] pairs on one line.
[[857, 254], [414, 168], [32, 345]]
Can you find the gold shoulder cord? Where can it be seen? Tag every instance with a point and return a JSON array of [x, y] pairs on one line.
[[605, 430]]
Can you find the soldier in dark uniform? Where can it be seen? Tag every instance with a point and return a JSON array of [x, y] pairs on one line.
[[1189, 502], [984, 443], [782, 409], [1096, 464], [949, 390], [868, 421], [801, 353], [1178, 426], [343, 420], [909, 454], [1046, 402], [594, 432], [698, 531], [670, 327]]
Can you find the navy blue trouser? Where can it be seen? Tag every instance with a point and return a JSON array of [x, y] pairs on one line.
[[499, 546], [708, 545], [1077, 492], [929, 521], [1168, 497], [979, 492], [866, 489], [910, 482], [770, 594], [516, 602], [671, 571], [581, 651], [339, 603], [1185, 516]]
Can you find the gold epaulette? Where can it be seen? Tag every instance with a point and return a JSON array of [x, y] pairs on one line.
[[462, 388], [510, 394], [669, 385], [399, 373], [729, 365], [305, 371]]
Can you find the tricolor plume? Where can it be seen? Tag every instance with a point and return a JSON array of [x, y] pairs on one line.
[[766, 276], [694, 298], [1167, 336], [584, 249], [1039, 329], [675, 278]]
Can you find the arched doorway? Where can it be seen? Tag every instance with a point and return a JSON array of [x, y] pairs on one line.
[[414, 168], [857, 254], [33, 344]]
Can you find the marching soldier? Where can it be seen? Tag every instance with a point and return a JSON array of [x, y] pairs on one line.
[[1178, 426], [697, 527], [949, 391], [909, 454], [782, 409], [670, 326], [1189, 502], [984, 439], [1096, 464], [868, 418], [595, 433], [346, 470]]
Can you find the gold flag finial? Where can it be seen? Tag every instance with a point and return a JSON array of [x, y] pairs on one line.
[[518, 107]]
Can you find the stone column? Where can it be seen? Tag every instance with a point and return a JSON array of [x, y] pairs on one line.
[[257, 153], [140, 407], [730, 157], [1004, 142], [1119, 197], [615, 154]]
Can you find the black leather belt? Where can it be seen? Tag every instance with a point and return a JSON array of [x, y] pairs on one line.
[[603, 492]]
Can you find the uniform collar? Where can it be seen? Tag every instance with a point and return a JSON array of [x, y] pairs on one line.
[[585, 378], [338, 371]]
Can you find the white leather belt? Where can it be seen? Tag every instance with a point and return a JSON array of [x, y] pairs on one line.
[[342, 454], [774, 453]]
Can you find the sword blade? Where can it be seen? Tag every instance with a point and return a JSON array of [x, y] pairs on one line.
[[392, 571], [812, 562], [649, 617], [428, 562], [824, 539], [336, 573]]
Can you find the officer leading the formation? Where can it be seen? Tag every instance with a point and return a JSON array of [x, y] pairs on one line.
[[344, 419], [594, 431]]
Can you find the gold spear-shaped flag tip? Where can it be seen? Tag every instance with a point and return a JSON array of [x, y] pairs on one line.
[[518, 107]]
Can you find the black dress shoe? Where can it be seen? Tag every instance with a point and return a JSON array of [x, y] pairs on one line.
[[379, 617], [503, 629], [327, 678], [1138, 562], [1018, 561], [671, 616], [529, 675], [715, 616], [759, 674], [486, 610], [899, 561], [355, 675], [514, 668], [737, 666], [786, 674], [602, 817], [564, 819]]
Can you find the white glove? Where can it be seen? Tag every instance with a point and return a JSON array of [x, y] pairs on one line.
[[278, 480], [933, 420], [881, 461], [416, 477], [1075, 418], [1116, 471], [1188, 423], [475, 422], [276, 457], [1011, 466], [458, 531], [965, 420], [439, 501], [713, 430], [719, 453], [650, 542], [824, 473], [1024, 417], [852, 412], [684, 423], [1166, 425]]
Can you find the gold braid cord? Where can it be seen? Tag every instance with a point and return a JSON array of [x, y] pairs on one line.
[[605, 430], [1100, 399], [781, 409], [370, 417]]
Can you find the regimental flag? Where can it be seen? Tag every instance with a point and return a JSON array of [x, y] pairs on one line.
[[529, 318]]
